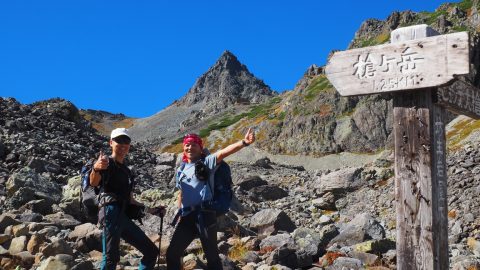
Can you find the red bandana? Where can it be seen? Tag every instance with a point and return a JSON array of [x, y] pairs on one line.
[[191, 138]]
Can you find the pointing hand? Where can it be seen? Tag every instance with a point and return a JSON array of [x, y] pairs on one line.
[[249, 136]]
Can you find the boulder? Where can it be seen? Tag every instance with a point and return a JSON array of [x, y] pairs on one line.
[[270, 267], [27, 185], [267, 193], [365, 258], [4, 238], [25, 259], [191, 262], [327, 233], [7, 220], [57, 246], [83, 265], [474, 246], [307, 240], [91, 241], [18, 244], [466, 263], [304, 259], [263, 163], [250, 182], [30, 217], [339, 182], [41, 206], [250, 257], [269, 221], [62, 219], [275, 241], [326, 202], [362, 227], [20, 229], [166, 159], [49, 231], [40, 165], [2, 149], [284, 256], [346, 263], [81, 231], [35, 242], [375, 246], [59, 262], [227, 264], [71, 196]]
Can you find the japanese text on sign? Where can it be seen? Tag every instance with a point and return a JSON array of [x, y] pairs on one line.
[[404, 67]]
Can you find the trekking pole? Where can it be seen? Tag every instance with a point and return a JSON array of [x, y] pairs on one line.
[[160, 241]]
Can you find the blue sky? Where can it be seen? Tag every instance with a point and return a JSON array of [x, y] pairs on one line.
[[137, 57]]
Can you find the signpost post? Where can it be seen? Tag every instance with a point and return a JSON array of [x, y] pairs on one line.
[[417, 65]]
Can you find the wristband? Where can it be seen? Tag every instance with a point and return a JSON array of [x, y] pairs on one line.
[[95, 170], [244, 143]]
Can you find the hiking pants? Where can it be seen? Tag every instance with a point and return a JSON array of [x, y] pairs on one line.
[[118, 225], [187, 230]]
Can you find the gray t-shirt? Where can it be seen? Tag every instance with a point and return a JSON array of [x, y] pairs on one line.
[[193, 190]]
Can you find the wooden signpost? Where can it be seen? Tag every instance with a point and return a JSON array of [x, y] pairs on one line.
[[418, 65]]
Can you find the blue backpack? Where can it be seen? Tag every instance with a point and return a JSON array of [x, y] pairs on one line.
[[221, 187]]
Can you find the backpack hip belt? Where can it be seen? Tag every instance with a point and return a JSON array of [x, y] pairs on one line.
[[106, 198]]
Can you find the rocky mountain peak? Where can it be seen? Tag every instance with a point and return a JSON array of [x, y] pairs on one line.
[[229, 62], [226, 83]]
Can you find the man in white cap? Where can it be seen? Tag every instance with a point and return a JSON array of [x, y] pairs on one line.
[[117, 184]]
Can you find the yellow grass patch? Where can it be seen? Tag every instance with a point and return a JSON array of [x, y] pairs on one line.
[[460, 131]]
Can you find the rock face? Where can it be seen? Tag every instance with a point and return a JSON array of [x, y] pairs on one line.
[[226, 83], [315, 119], [225, 86]]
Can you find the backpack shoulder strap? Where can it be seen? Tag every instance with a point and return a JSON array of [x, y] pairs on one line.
[[211, 179]]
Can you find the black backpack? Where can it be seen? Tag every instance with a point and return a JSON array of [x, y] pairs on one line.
[[89, 195]]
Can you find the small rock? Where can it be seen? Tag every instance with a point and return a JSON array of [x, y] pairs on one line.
[[18, 244], [35, 242]]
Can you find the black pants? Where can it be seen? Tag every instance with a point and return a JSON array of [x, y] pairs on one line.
[[186, 231]]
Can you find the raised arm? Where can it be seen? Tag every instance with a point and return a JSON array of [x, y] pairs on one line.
[[234, 147]]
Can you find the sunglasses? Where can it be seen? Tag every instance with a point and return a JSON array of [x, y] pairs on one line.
[[122, 140]]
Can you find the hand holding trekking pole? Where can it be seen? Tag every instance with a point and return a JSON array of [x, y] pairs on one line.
[[101, 163], [249, 137], [157, 211]]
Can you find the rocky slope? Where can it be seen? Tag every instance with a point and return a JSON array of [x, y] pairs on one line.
[[104, 121], [283, 216]]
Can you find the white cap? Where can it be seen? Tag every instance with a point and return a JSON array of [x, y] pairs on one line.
[[119, 132]]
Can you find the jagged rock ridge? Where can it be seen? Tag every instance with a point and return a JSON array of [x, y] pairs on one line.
[[226, 86], [227, 82]]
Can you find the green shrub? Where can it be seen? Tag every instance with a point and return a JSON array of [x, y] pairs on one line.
[[316, 86]]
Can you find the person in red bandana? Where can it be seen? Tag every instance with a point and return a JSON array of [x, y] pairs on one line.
[[193, 191]]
